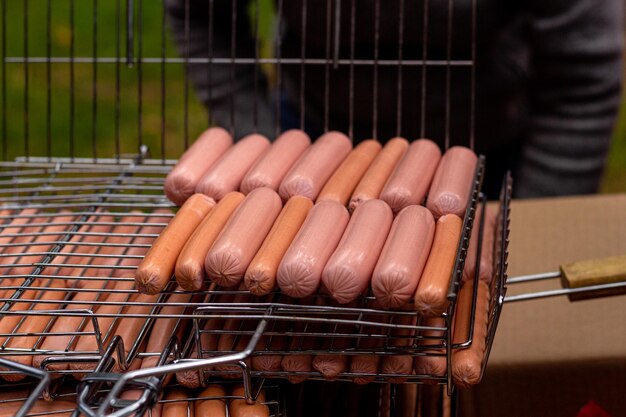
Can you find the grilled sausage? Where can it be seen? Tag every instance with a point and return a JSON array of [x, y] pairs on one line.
[[450, 190], [182, 180], [348, 271], [214, 404], [378, 173], [434, 364], [300, 271], [431, 297], [157, 267], [467, 363], [190, 272], [314, 168], [270, 169], [238, 407], [340, 186], [404, 255], [243, 235], [177, 404], [260, 276], [228, 172], [409, 182], [486, 254], [41, 408]]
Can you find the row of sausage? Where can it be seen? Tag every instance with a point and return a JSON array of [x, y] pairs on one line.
[[330, 169]]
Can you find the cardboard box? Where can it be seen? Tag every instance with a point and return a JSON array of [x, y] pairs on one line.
[[551, 356]]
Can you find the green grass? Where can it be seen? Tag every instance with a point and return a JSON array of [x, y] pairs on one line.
[[103, 143]]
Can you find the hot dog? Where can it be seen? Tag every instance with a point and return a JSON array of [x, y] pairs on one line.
[[302, 362], [331, 365], [402, 338], [340, 186], [451, 186], [41, 408], [435, 363], [228, 172], [300, 270], [234, 340], [13, 227], [260, 276], [314, 168], [157, 267], [403, 257], [350, 267], [134, 395], [273, 343], [486, 254], [378, 173], [467, 363], [176, 404], [190, 272], [238, 407], [367, 363], [214, 405], [243, 235], [182, 180], [270, 169], [409, 182], [431, 297]]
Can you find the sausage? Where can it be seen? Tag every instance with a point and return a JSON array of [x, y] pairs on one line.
[[64, 324], [182, 180], [434, 364], [260, 276], [228, 172], [234, 341], [409, 182], [189, 271], [213, 406], [157, 267], [401, 338], [243, 235], [177, 404], [270, 169], [238, 407], [348, 271], [378, 173], [404, 255], [370, 362], [486, 254], [314, 168], [331, 365], [467, 363], [300, 271], [431, 297], [450, 190], [268, 362], [135, 394], [41, 408], [340, 186]]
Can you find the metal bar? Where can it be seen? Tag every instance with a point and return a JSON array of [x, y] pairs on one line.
[[233, 54], [303, 66], [375, 87], [140, 79], [4, 81], [279, 62], [48, 79], [94, 85], [327, 63], [351, 80], [130, 32], [424, 68], [448, 72], [533, 277], [72, 78], [26, 82], [400, 56]]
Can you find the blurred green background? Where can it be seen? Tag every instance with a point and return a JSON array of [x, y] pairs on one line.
[[93, 125]]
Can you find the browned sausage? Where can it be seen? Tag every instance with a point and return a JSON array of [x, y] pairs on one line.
[[434, 363], [401, 338], [213, 404], [177, 404], [486, 254], [238, 407]]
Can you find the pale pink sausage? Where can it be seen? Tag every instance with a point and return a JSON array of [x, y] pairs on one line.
[[409, 182], [182, 180], [350, 267], [270, 169], [228, 172], [404, 255], [300, 271], [486, 254], [451, 186], [243, 235], [315, 166]]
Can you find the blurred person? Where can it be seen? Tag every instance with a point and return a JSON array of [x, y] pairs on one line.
[[548, 78]]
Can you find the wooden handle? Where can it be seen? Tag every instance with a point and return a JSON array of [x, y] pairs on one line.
[[594, 272]]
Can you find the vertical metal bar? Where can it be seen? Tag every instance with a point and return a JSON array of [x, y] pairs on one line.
[[72, 79], [4, 80], [26, 124], [303, 67], [233, 52], [140, 77], [337, 33], [375, 93], [255, 110], [130, 32], [118, 29], [209, 72], [351, 87], [473, 79], [327, 65], [49, 79], [279, 75], [448, 72], [400, 56], [424, 67], [186, 93], [163, 78], [94, 85]]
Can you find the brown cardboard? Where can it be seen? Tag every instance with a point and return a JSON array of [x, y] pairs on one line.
[[551, 356]]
